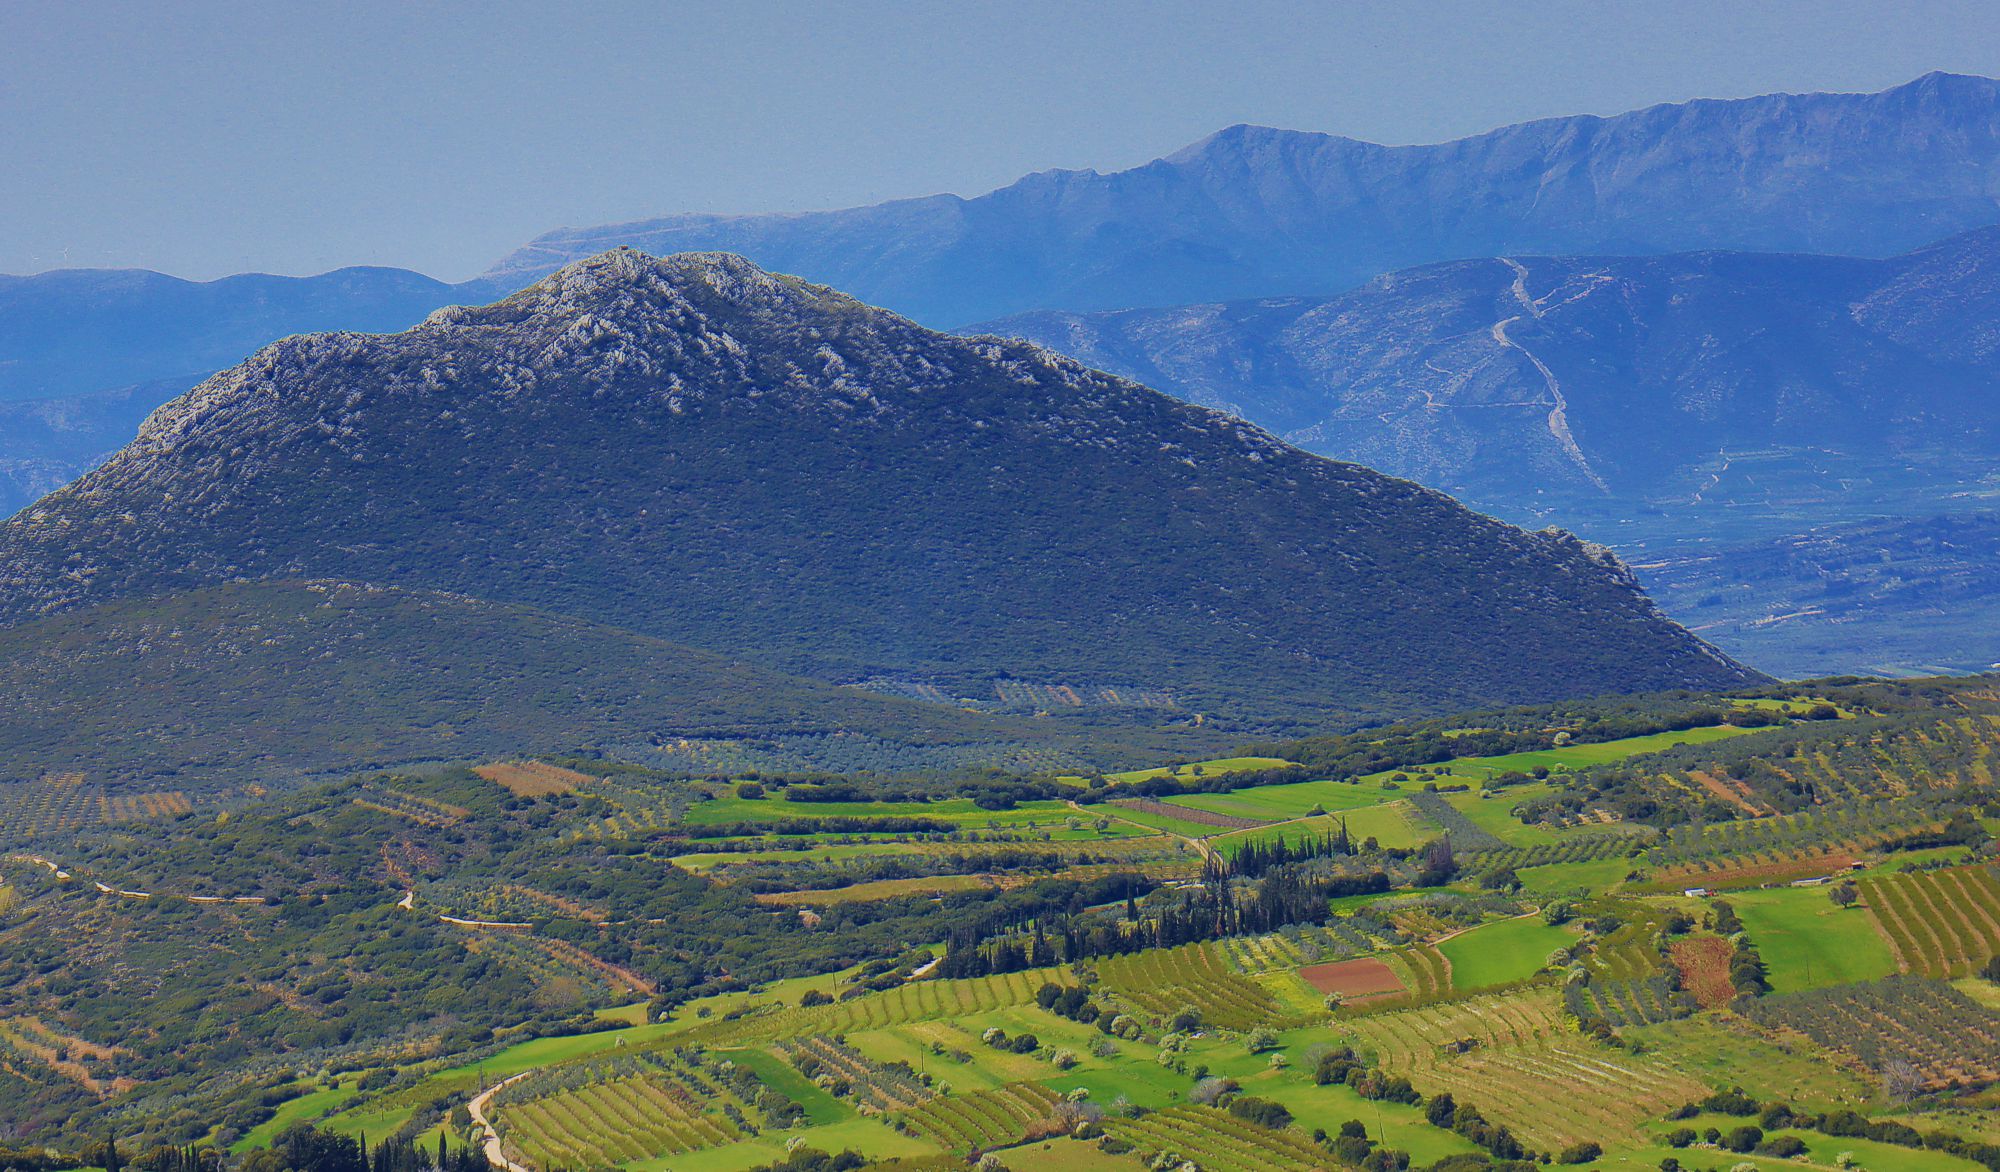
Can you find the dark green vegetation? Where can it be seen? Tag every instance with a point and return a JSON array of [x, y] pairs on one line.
[[697, 450], [914, 966], [274, 682]]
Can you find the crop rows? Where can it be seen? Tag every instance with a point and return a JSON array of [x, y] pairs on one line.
[[1292, 947], [928, 1000], [1941, 1036], [1511, 1056], [544, 963], [1577, 848], [57, 804], [1425, 971], [1465, 834], [974, 1122], [880, 1088], [1623, 1003], [411, 808], [1941, 923], [145, 807], [1790, 836], [1217, 1141], [1162, 980], [610, 1123]]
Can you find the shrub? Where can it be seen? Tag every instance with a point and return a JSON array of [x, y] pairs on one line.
[[1583, 1153], [1262, 1112]]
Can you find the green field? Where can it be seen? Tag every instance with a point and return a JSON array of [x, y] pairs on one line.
[[1279, 802], [304, 1109], [1502, 953], [1807, 942], [1201, 768]]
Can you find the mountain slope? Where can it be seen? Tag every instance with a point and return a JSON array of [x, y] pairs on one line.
[[276, 680], [696, 449], [1257, 212], [75, 331], [1608, 386]]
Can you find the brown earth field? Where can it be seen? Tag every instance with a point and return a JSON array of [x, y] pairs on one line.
[[1704, 965], [1362, 977]]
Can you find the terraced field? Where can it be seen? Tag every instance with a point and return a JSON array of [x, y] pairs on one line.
[[973, 1123], [611, 1123], [1940, 923], [1218, 1142], [1292, 948], [1161, 981], [1524, 1068], [928, 1000]]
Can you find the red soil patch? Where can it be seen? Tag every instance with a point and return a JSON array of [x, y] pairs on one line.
[[1364, 977], [1730, 873], [1704, 965]]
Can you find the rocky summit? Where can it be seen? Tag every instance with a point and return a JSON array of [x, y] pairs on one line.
[[700, 450]]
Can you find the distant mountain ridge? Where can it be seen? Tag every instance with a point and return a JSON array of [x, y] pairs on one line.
[[1696, 411], [76, 331], [1258, 212], [1247, 213], [698, 450], [1605, 382]]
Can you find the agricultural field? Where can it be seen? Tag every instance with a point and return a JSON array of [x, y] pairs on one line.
[[1161, 981], [1197, 769], [1502, 953], [533, 779], [1512, 1056], [1808, 942], [1939, 923], [1939, 1036]]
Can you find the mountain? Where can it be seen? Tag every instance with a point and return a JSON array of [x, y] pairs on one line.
[[1608, 385], [76, 331], [1248, 212], [1257, 212], [270, 681], [46, 443], [1689, 410], [698, 450]]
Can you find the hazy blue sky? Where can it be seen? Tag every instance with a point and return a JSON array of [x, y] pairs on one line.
[[209, 138]]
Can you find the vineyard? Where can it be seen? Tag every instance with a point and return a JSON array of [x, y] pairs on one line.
[[560, 970], [532, 779], [638, 808], [1773, 849], [144, 807], [411, 808], [1512, 1056], [1940, 923], [1575, 848], [1941, 1036], [1216, 1141], [916, 1001], [1163, 980], [972, 1123], [57, 804], [1297, 945], [833, 1064], [610, 1123]]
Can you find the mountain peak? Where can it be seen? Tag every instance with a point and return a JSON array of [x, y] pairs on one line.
[[693, 448]]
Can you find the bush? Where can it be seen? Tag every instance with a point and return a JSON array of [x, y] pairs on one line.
[[1743, 1139], [1262, 1112], [1583, 1153]]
